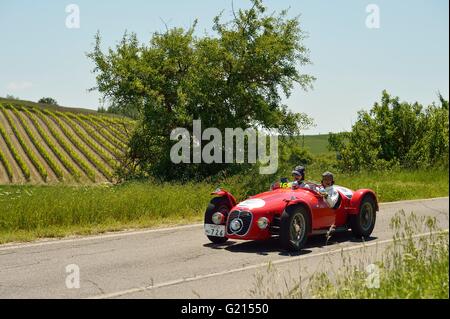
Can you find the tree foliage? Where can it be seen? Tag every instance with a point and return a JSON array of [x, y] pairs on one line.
[[236, 78], [395, 133], [48, 100]]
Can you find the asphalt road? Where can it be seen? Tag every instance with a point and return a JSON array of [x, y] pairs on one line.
[[180, 262]]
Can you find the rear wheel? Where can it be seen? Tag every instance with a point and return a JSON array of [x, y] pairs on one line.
[[363, 223], [294, 228], [218, 204]]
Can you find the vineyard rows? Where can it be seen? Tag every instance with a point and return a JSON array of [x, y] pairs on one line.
[[49, 146]]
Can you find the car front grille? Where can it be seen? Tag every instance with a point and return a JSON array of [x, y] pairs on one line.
[[245, 218]]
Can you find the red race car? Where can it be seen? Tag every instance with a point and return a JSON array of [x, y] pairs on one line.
[[290, 214]]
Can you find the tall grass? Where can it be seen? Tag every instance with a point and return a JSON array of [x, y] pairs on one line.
[[410, 267], [34, 211]]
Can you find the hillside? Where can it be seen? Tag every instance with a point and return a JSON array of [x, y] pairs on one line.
[[316, 144], [51, 144], [45, 144]]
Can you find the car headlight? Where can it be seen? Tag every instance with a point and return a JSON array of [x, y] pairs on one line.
[[263, 222], [236, 224], [218, 218]]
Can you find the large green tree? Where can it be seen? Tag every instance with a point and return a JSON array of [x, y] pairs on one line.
[[236, 78]]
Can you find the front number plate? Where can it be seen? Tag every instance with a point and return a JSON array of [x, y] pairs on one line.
[[215, 230]]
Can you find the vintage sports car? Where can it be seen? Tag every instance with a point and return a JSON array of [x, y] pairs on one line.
[[289, 213]]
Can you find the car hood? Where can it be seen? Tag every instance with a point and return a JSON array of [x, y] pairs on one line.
[[274, 201]]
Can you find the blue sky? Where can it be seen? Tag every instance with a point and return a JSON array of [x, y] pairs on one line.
[[408, 55]]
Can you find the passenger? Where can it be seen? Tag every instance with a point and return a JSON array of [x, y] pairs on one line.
[[327, 190]]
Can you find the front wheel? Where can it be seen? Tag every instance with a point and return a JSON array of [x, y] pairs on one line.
[[218, 204], [295, 225], [363, 223]]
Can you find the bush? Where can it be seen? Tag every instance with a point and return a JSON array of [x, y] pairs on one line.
[[395, 134], [48, 100]]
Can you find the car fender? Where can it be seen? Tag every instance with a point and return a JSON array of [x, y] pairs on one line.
[[357, 197], [227, 195]]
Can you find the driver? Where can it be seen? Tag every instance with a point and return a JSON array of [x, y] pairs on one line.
[[299, 177], [327, 190]]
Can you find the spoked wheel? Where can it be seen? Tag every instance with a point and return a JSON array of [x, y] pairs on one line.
[[295, 225], [298, 226], [363, 223], [217, 204]]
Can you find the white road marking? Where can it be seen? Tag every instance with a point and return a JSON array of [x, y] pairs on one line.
[[412, 201], [95, 237], [46, 242], [265, 264]]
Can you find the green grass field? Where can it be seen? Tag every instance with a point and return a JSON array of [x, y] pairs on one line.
[[316, 144]]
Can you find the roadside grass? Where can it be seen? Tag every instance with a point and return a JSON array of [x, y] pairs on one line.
[[399, 184], [29, 212], [389, 186], [410, 268]]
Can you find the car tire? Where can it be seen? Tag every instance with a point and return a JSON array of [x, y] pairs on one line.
[[295, 226], [363, 223], [217, 204]]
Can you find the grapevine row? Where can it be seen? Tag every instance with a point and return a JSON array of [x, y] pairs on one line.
[[53, 165], [107, 134], [67, 147], [89, 141], [7, 166], [111, 123], [64, 160], [19, 160], [100, 139], [37, 164], [91, 157]]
